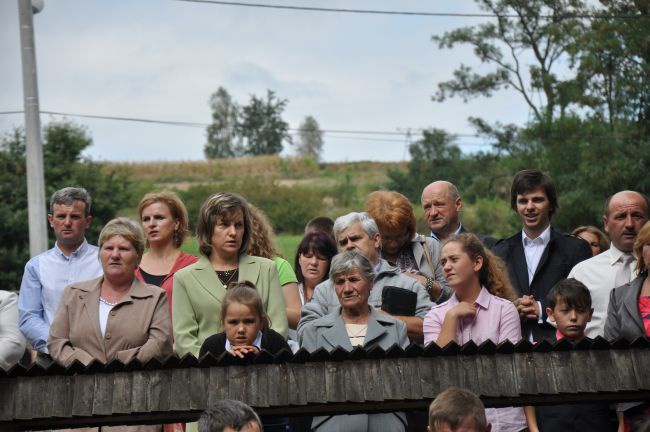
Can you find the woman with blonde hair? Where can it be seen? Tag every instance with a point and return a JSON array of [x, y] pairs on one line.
[[164, 220], [596, 238], [262, 244], [480, 309]]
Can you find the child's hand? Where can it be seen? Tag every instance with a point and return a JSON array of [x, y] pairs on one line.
[[242, 350]]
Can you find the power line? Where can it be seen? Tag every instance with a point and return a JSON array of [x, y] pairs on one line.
[[405, 13], [204, 125]]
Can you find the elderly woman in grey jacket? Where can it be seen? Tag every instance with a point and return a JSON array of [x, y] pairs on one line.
[[354, 323]]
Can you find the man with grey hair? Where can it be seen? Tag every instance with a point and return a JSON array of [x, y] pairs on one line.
[[442, 204], [71, 260], [229, 416], [358, 231]]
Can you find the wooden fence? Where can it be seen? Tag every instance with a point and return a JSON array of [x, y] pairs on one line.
[[332, 383]]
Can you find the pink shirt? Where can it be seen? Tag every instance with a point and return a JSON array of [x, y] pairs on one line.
[[497, 320]]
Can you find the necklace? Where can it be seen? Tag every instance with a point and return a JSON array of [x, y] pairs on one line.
[[226, 276], [106, 302]]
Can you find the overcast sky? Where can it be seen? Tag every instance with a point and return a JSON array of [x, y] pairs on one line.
[[157, 59]]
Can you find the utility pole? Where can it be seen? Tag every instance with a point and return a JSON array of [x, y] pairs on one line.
[[34, 146]]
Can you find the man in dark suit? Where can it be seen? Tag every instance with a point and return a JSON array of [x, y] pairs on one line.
[[537, 256], [442, 204]]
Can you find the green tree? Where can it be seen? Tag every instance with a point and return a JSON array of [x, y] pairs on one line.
[[64, 166], [310, 139], [223, 139], [262, 126]]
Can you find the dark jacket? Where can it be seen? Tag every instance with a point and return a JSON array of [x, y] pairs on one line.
[[560, 255], [272, 342]]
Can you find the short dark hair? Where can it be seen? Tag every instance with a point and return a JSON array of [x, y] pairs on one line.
[[227, 413], [572, 291], [321, 223], [69, 195], [453, 406], [530, 179], [319, 243]]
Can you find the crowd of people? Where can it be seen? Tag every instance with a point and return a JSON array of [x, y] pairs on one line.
[[365, 279]]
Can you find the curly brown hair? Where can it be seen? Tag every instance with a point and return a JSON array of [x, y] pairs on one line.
[[262, 241], [493, 274]]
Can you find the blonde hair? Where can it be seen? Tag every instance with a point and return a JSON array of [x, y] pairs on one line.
[[126, 228], [493, 274], [262, 241], [641, 239]]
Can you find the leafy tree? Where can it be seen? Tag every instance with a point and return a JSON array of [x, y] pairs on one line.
[[262, 126], [310, 139], [64, 166], [223, 139]]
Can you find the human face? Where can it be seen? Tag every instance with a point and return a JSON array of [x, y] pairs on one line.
[[69, 223], [593, 241], [460, 270], [570, 321], [534, 208], [440, 210], [352, 290], [392, 244], [627, 213], [158, 223], [228, 234], [313, 267], [119, 258], [355, 238], [241, 324], [251, 426]]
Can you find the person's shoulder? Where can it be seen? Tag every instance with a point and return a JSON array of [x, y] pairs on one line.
[[215, 344], [502, 302], [327, 320], [256, 260], [506, 242], [7, 297], [200, 264], [143, 289]]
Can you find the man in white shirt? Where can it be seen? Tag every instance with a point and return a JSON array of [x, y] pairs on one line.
[[537, 257], [624, 214], [71, 260]]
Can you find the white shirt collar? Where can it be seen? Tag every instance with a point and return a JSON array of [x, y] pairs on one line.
[[545, 237], [257, 342]]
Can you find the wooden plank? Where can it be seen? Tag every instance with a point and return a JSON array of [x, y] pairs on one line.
[[315, 383], [276, 376], [237, 378], [581, 371], [393, 383], [122, 392], [198, 387], [562, 372], [411, 377], [139, 391], [296, 379], [507, 375], [640, 362], [159, 394], [468, 373], [524, 373], [41, 406], [83, 394], [103, 394], [544, 377], [335, 382], [487, 376], [218, 384], [373, 380], [355, 389], [256, 386], [23, 395], [626, 378], [61, 386], [447, 372], [429, 381], [600, 369], [8, 387], [181, 390]]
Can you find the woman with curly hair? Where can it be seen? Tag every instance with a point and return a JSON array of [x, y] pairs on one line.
[[481, 308], [262, 244]]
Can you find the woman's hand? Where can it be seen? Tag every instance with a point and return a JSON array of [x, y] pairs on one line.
[[463, 310], [242, 351]]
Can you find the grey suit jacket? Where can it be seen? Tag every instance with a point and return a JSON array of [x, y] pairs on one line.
[[623, 316], [329, 332]]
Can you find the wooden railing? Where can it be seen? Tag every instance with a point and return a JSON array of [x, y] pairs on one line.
[[332, 383]]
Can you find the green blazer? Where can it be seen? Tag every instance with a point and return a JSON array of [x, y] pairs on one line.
[[198, 294]]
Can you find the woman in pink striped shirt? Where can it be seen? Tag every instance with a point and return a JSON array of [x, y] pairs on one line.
[[481, 308]]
